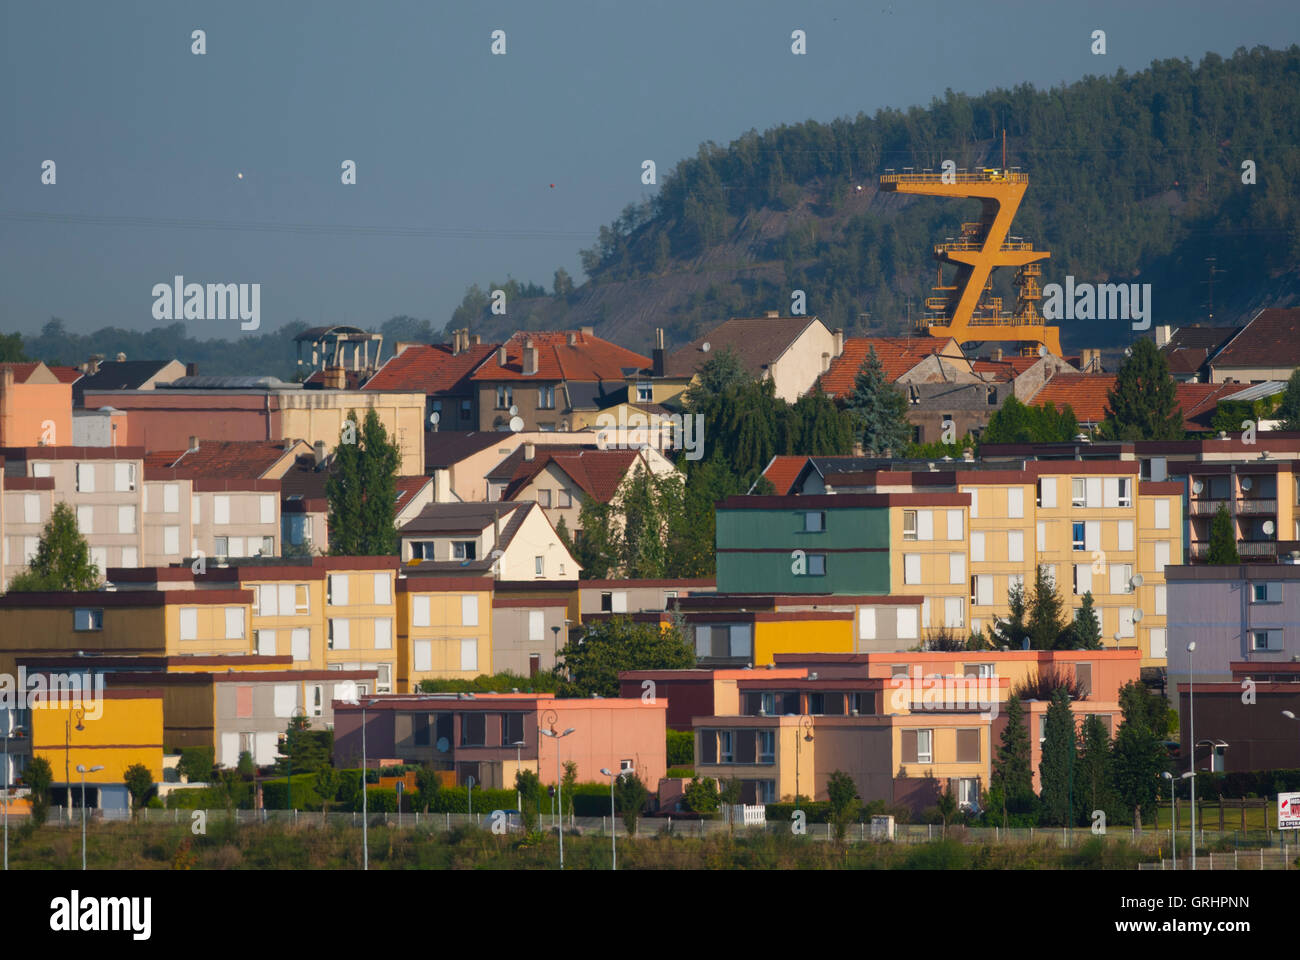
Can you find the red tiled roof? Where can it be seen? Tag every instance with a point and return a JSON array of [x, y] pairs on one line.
[[21, 370], [588, 358], [1008, 368], [1084, 392], [1198, 401], [220, 459], [408, 487], [66, 374], [897, 355], [596, 472], [1271, 339], [783, 471], [431, 369]]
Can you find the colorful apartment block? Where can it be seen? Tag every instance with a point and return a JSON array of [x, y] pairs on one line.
[[444, 629]]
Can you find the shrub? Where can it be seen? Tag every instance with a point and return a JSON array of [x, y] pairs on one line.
[[681, 748], [275, 793], [680, 773], [196, 764]]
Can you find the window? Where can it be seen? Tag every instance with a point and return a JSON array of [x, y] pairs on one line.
[[644, 391], [923, 746], [1082, 579], [536, 626], [130, 557], [126, 519], [469, 610], [505, 396], [469, 654], [195, 507], [221, 509], [1266, 640], [981, 591], [189, 623], [1162, 514], [420, 729], [1016, 546], [300, 640], [264, 642], [512, 729], [460, 550], [974, 501], [88, 618], [30, 547], [383, 588], [907, 626], [911, 568], [1120, 576], [317, 701], [99, 557], [266, 508], [473, 729], [543, 498], [1266, 593], [977, 546], [85, 478], [123, 477], [816, 564], [86, 519], [909, 524], [726, 746], [814, 521], [423, 655], [1126, 622], [1161, 601], [1124, 534], [956, 568], [866, 623], [172, 541], [1083, 678], [955, 525], [546, 398], [1092, 535], [1077, 534], [564, 499], [236, 546], [286, 699], [1040, 536], [767, 746], [1126, 491], [339, 635], [1016, 502], [1047, 492], [466, 409], [31, 508], [1078, 492], [954, 612], [43, 470], [968, 793], [1162, 555], [338, 590], [1016, 581], [384, 634], [301, 599], [420, 611], [968, 746], [925, 524], [539, 567], [234, 623]]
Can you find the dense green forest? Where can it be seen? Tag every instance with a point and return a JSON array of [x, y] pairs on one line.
[[1133, 177]]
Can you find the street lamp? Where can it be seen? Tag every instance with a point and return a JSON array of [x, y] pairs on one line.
[[1173, 817], [67, 749], [10, 729], [519, 803], [613, 834], [365, 804], [805, 732], [82, 770], [559, 782], [470, 795], [1191, 734]]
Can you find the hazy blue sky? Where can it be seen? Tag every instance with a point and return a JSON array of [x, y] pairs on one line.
[[453, 145]]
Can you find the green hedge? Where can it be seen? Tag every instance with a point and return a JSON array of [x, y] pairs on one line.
[[275, 793], [681, 748], [1244, 784], [680, 773]]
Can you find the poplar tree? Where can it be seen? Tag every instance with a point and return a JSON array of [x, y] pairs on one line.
[[1144, 404], [1012, 775], [362, 488], [879, 408]]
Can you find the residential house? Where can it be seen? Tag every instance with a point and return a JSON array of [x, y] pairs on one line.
[[509, 541], [1266, 348], [35, 406], [442, 372]]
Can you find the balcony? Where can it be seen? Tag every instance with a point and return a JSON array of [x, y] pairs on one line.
[[1256, 506], [1250, 551], [1208, 508]]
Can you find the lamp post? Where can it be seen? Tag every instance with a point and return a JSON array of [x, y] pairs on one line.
[[1191, 738], [470, 795], [365, 804], [559, 782], [519, 803], [1173, 821], [613, 828], [804, 733], [10, 729], [67, 750], [82, 770]]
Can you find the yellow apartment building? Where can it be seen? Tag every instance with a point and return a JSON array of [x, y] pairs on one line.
[[444, 629]]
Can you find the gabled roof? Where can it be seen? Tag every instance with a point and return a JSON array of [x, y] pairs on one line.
[[431, 369], [444, 448], [1198, 401], [119, 375], [462, 517], [783, 470], [758, 341], [1270, 339], [66, 374], [897, 356], [596, 472], [1008, 368], [22, 371], [407, 489], [596, 396], [588, 358], [1084, 392], [225, 459]]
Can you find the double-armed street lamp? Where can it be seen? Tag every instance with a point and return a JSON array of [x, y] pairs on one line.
[[81, 769], [559, 782]]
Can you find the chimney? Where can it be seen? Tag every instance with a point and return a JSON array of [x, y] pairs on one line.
[[334, 378], [501, 355], [194, 445], [530, 452], [588, 331], [455, 343], [773, 314], [91, 366], [319, 449], [839, 342], [475, 340], [968, 454], [997, 354], [1164, 334], [573, 339], [657, 354], [121, 357], [191, 369], [530, 358]]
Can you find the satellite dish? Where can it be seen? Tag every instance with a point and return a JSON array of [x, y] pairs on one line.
[[1268, 528], [706, 347], [1197, 486], [1246, 483], [514, 411], [1137, 616], [1136, 580], [516, 424], [434, 418], [443, 745], [1128, 351]]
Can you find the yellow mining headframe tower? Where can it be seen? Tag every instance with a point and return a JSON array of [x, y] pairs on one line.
[[962, 310]]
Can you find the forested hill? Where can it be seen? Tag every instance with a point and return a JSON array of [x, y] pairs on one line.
[[1134, 178]]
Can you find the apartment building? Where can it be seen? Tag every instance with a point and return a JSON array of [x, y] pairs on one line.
[[444, 629], [531, 623], [25, 506], [35, 406]]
